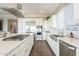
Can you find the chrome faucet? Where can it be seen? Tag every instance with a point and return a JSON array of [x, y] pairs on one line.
[[5, 34], [60, 33]]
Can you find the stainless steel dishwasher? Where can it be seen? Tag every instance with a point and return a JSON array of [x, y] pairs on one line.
[[66, 49]]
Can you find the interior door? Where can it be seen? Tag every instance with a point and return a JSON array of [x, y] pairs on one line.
[[1, 25]]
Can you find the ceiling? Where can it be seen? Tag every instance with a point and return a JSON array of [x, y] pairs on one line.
[[34, 9], [39, 9]]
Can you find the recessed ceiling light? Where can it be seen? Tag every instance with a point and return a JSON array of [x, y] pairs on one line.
[[42, 11]]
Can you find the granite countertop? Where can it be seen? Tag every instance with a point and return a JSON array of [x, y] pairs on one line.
[[72, 41], [7, 46], [9, 35]]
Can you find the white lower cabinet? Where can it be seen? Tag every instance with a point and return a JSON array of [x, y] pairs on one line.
[[53, 45], [56, 47], [24, 48], [77, 51]]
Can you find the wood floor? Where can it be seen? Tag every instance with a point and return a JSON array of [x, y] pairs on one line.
[[41, 48]]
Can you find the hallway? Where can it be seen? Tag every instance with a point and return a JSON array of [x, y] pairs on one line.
[[41, 48]]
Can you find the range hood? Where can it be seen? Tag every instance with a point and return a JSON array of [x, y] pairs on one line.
[[14, 11]]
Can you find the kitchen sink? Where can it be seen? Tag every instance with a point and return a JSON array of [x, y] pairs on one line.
[[54, 37], [58, 35], [16, 38]]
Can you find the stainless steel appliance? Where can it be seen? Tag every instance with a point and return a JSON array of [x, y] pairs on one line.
[[66, 49], [39, 32]]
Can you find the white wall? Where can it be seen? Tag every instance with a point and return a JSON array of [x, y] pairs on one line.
[[54, 21], [22, 23], [45, 25], [5, 20], [49, 24], [54, 29], [5, 24]]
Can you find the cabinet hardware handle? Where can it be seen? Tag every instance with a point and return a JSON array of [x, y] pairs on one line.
[[14, 54]]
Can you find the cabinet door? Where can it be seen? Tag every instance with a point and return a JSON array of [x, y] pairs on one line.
[[49, 41], [19, 50], [14, 52], [77, 51], [54, 45], [28, 49], [24, 48], [29, 45]]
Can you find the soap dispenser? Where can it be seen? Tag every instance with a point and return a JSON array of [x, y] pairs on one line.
[[71, 35]]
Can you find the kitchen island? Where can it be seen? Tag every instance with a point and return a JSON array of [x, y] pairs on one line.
[[17, 48]]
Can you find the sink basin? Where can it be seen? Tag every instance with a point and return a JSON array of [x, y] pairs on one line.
[[58, 35], [15, 38], [54, 37]]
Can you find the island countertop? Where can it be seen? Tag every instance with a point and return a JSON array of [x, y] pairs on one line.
[[7, 46], [72, 41]]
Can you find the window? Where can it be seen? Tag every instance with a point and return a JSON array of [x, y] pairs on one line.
[[30, 26]]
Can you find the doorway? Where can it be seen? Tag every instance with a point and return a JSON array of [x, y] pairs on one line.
[[39, 33], [1, 25], [12, 26]]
